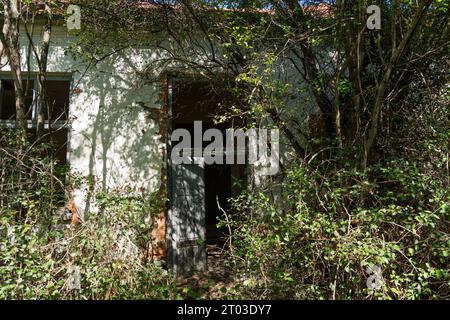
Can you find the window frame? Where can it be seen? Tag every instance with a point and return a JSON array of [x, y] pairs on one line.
[[32, 123]]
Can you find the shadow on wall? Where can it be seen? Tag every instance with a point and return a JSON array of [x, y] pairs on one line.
[[115, 134]]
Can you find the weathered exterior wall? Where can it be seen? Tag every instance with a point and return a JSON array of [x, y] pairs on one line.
[[114, 121], [118, 120], [114, 137]]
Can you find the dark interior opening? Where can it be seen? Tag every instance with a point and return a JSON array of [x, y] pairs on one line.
[[8, 100], [54, 140], [198, 101]]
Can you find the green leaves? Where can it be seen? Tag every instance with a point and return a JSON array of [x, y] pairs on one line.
[[315, 238]]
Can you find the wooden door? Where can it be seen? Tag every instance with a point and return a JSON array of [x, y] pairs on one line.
[[186, 220]]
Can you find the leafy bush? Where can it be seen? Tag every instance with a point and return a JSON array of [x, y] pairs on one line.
[[326, 230], [37, 266], [42, 257]]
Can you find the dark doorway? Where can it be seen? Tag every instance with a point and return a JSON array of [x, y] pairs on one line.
[[199, 101], [217, 192]]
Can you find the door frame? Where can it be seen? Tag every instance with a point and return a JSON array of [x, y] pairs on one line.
[[169, 78]]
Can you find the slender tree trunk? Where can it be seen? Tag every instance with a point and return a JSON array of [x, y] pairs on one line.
[[397, 52], [11, 46], [42, 99]]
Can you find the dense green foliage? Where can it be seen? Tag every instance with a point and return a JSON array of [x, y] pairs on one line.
[[43, 257], [328, 226], [363, 196]]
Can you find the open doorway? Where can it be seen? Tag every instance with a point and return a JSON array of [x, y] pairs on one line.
[[197, 101]]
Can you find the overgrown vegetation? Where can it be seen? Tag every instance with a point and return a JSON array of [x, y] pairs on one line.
[[364, 191], [44, 256], [330, 224]]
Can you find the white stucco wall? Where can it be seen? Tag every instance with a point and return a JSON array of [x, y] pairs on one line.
[[112, 136]]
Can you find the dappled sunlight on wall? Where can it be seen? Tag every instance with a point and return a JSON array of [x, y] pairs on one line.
[[115, 136]]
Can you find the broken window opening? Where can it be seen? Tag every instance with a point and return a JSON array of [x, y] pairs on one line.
[[56, 124], [57, 102]]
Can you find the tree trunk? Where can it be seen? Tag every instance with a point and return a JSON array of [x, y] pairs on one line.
[[42, 99], [397, 52], [10, 42]]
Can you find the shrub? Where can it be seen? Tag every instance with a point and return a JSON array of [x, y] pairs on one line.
[[42, 257], [334, 232]]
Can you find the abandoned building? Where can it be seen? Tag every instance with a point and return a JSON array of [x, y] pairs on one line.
[[129, 150]]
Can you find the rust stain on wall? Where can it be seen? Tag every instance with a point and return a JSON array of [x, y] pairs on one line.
[[160, 223]]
